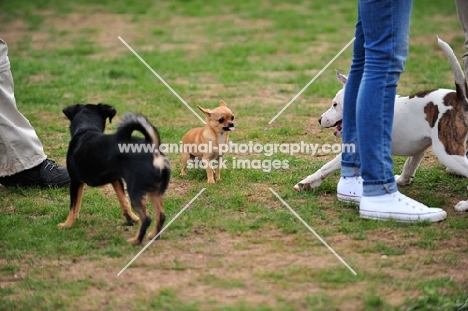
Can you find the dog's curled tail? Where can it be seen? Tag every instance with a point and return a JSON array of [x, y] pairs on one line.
[[131, 122], [459, 76]]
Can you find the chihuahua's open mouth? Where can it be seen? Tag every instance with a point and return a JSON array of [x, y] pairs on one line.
[[229, 128]]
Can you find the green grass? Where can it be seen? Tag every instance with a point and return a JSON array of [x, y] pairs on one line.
[[236, 247]]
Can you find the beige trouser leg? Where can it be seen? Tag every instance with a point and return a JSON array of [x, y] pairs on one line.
[[20, 148], [462, 9]]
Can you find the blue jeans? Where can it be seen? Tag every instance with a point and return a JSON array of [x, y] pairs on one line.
[[379, 55]]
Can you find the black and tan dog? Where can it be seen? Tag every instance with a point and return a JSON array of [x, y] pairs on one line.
[[96, 159]]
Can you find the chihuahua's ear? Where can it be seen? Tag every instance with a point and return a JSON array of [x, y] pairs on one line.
[[72, 110], [107, 111], [205, 111], [222, 103]]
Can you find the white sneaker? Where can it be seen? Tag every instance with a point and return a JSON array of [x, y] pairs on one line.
[[349, 189], [399, 207]]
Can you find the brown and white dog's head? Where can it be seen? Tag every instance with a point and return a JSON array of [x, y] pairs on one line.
[[219, 119], [333, 117]]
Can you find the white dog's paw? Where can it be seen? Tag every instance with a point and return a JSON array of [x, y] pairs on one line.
[[402, 181], [307, 186], [299, 187], [462, 206]]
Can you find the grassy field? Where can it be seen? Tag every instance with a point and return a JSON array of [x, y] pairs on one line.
[[237, 247]]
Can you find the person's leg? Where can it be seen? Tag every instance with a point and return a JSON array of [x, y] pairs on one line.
[[386, 31], [462, 10], [349, 187], [22, 158], [20, 148]]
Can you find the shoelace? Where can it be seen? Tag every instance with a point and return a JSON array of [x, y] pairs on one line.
[[408, 201], [50, 165]]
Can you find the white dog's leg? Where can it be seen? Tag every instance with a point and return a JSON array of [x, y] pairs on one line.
[[462, 206], [456, 163], [409, 169], [315, 180], [459, 165]]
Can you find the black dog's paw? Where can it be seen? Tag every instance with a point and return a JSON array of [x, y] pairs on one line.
[[129, 221]]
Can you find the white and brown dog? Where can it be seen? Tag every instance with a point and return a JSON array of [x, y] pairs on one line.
[[434, 117]]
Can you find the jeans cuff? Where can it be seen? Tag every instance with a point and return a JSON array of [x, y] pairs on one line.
[[370, 190], [350, 171]]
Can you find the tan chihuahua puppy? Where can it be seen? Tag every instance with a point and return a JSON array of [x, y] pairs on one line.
[[204, 143]]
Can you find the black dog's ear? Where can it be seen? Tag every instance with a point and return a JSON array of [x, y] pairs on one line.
[[72, 110], [107, 111]]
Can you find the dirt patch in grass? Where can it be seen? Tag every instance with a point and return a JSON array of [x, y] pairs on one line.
[[265, 267], [90, 25], [14, 31], [60, 31], [101, 29]]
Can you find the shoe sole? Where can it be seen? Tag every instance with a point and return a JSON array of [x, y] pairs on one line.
[[409, 218], [348, 198], [62, 184]]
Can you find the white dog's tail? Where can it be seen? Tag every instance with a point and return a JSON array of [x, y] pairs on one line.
[[460, 79]]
